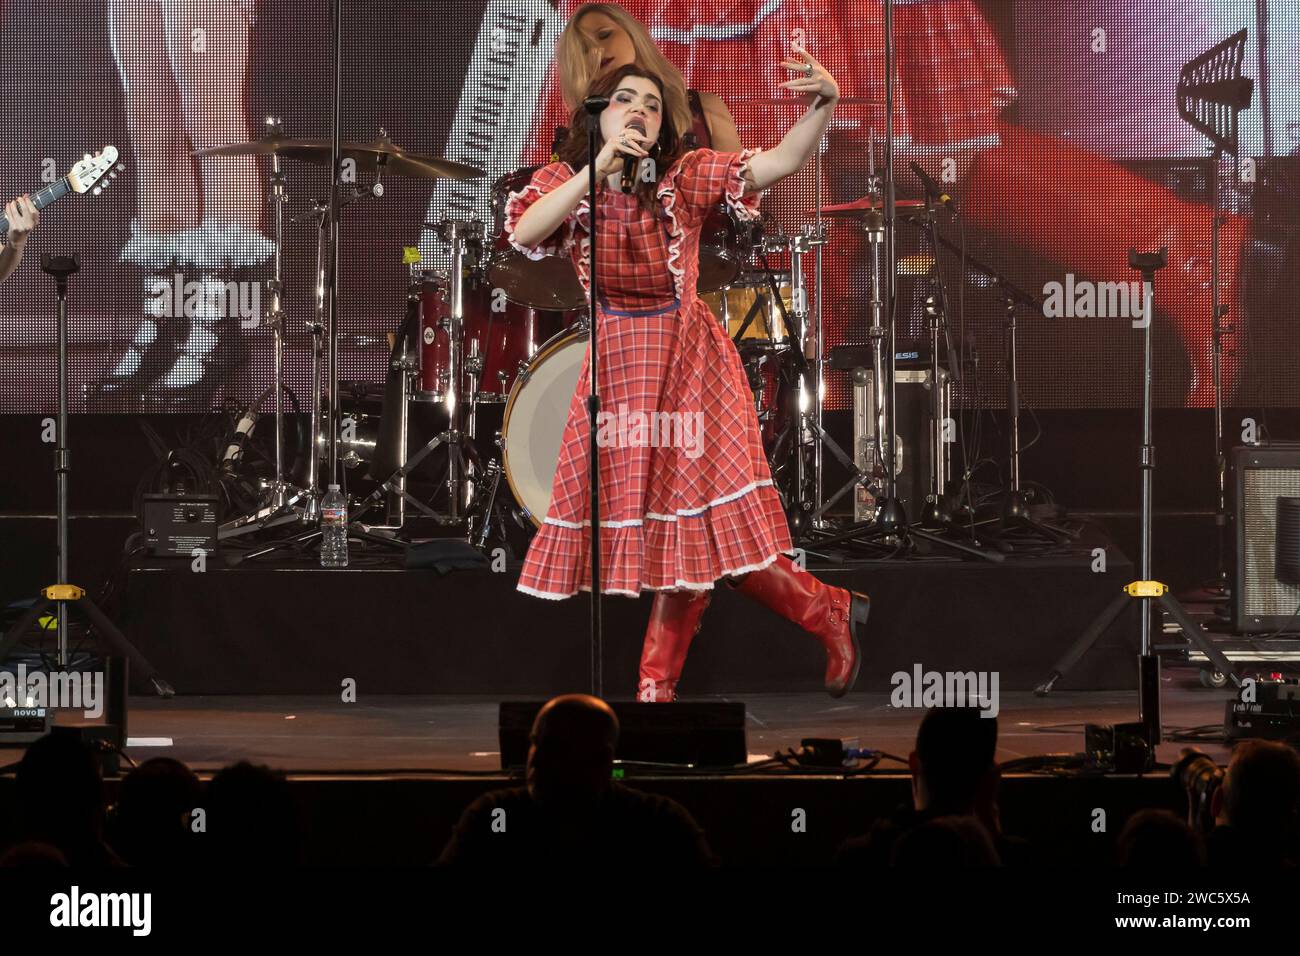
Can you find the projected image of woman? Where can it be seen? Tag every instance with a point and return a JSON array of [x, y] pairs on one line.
[[602, 37], [183, 67]]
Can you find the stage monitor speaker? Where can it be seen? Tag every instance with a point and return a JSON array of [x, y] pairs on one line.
[[705, 734], [1260, 476], [914, 449]]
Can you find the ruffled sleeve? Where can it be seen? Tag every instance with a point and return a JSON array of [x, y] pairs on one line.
[[703, 179], [544, 180]]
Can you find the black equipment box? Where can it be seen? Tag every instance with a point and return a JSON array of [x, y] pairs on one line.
[[176, 525], [1274, 714]]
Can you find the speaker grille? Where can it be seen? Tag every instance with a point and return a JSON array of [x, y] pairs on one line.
[[1265, 602]]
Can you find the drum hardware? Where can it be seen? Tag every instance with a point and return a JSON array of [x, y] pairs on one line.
[[889, 530], [939, 509], [378, 157], [282, 501], [451, 370], [373, 158], [1015, 512]]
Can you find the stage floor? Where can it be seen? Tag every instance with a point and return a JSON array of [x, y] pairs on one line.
[[305, 735]]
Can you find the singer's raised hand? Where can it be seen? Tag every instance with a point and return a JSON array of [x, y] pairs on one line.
[[813, 79]]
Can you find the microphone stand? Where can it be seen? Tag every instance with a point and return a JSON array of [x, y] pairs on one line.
[[332, 288], [594, 105]]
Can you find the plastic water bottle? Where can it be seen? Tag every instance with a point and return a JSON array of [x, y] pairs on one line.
[[334, 529]]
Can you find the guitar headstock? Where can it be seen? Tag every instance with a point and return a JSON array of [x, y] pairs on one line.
[[90, 170]]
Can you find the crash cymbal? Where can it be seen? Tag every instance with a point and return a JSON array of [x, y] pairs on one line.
[[383, 154], [267, 146]]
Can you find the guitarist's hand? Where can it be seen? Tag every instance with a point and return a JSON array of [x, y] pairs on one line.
[[23, 217]]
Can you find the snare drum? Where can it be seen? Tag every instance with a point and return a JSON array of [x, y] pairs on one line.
[[733, 304], [549, 283]]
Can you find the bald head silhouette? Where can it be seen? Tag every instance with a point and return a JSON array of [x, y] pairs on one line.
[[572, 749]]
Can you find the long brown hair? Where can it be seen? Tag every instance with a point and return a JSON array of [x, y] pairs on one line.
[[668, 147], [578, 67]]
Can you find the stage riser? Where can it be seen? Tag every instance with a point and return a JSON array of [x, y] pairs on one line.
[[305, 631]]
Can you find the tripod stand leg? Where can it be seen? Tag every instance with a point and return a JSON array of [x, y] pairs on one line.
[[991, 556], [1195, 636], [1081, 646], [22, 626], [111, 637]]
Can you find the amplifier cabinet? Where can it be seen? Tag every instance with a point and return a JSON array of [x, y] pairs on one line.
[[1259, 476]]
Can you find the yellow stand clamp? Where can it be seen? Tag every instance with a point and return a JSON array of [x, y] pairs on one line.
[[1146, 589], [63, 592]]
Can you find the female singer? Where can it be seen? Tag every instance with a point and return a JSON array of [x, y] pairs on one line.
[[677, 515]]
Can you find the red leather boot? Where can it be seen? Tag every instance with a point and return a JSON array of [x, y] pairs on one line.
[[674, 622], [836, 617]]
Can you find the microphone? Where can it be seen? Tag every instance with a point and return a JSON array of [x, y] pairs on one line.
[[630, 162], [234, 452], [932, 188]]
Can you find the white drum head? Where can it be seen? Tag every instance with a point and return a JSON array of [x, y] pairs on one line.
[[535, 418]]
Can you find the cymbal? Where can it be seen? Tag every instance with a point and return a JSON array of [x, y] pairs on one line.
[[861, 208], [266, 146], [383, 154]]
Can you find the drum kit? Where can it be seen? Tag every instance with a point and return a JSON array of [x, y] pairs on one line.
[[486, 359], [483, 368]]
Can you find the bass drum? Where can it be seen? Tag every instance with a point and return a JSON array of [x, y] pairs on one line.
[[535, 416]]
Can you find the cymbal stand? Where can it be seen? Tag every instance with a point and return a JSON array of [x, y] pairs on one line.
[[281, 501]]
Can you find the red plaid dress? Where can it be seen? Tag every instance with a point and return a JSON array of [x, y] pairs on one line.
[[682, 505]]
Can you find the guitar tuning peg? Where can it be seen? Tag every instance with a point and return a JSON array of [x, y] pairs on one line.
[[96, 191]]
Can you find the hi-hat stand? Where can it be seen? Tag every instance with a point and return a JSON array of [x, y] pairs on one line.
[[282, 502]]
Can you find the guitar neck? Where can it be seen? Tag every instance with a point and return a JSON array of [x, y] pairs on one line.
[[42, 199]]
